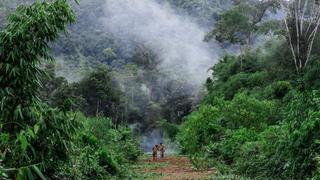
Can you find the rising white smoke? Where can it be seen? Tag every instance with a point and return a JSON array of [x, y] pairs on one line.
[[177, 40], [156, 137]]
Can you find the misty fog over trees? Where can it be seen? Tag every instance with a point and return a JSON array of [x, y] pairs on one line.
[[88, 87]]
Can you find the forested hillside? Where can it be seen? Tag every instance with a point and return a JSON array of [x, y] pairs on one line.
[[88, 86], [260, 118], [133, 66], [148, 94]]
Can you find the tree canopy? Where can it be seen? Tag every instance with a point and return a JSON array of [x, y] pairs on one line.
[[78, 101]]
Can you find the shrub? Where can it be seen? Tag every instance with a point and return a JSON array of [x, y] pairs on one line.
[[258, 158], [209, 123], [131, 150], [170, 129], [107, 162], [280, 89], [100, 151], [201, 161], [230, 145], [200, 128], [288, 150]]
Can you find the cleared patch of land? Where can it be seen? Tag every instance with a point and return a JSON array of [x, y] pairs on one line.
[[170, 168]]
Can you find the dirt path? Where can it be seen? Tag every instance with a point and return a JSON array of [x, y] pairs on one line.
[[170, 168]]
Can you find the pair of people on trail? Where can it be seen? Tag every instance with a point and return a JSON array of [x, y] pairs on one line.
[[161, 147]]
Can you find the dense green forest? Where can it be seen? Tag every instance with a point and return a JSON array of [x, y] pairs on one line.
[[84, 97], [260, 118]]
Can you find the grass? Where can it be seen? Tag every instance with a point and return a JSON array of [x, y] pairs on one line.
[[144, 166], [172, 167]]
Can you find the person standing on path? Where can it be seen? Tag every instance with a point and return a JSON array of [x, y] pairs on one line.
[[155, 152], [162, 149]]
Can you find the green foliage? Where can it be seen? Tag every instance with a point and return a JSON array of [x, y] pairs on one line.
[[243, 21], [57, 92], [206, 11], [311, 78], [107, 161], [209, 123], [121, 139], [235, 27], [3, 174], [278, 90], [101, 95], [287, 150], [170, 129], [97, 94], [261, 122], [89, 46], [100, 151], [39, 141], [200, 128], [201, 162], [23, 46], [42, 145], [38, 135], [228, 149], [256, 155], [283, 151]]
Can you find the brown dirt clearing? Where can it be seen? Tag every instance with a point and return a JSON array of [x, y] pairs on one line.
[[172, 168]]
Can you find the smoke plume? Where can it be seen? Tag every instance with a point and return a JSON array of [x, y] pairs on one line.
[[156, 137], [176, 39]]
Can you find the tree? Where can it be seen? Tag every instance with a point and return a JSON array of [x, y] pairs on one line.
[[242, 23], [178, 102], [206, 11], [58, 93], [302, 25], [23, 46], [101, 94]]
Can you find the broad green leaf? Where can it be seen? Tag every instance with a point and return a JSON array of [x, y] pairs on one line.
[[23, 141], [36, 128], [31, 133]]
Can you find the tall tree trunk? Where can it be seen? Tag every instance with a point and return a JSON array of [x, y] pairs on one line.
[[300, 37], [98, 107]]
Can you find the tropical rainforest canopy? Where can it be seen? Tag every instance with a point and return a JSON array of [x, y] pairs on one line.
[[87, 87]]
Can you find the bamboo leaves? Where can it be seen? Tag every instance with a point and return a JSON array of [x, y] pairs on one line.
[[30, 172], [22, 139], [23, 46]]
